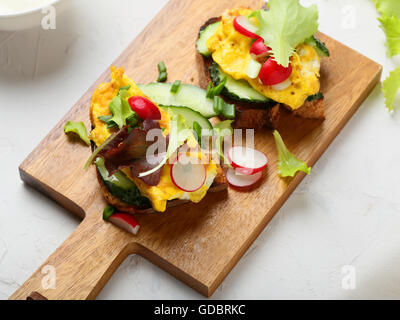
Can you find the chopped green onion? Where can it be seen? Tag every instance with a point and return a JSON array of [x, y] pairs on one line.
[[229, 111], [215, 91], [162, 77], [218, 104], [176, 86], [161, 67], [218, 89], [197, 129], [108, 212], [209, 90], [223, 108]]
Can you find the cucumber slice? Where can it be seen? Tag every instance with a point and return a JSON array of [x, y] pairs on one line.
[[206, 34], [236, 90], [121, 187], [191, 117], [188, 96], [118, 179], [319, 46]]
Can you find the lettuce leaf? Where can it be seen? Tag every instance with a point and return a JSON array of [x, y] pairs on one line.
[[121, 110], [390, 88], [179, 133], [288, 164], [79, 129], [285, 25], [388, 7], [390, 23], [391, 27]]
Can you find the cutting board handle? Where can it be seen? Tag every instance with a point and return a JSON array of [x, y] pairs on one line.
[[82, 265]]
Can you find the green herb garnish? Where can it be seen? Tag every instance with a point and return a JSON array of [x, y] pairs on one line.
[[223, 108], [79, 129], [176, 86], [108, 212], [215, 91], [163, 75]]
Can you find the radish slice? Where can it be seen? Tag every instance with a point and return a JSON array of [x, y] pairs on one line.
[[239, 180], [245, 27], [126, 222], [273, 73], [283, 85], [259, 49], [188, 173], [247, 160]]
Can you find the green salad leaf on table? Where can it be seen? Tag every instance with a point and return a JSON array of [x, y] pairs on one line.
[[390, 24], [79, 129], [288, 164]]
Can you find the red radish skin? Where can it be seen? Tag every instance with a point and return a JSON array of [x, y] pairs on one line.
[[188, 176], [245, 27], [126, 222], [259, 48], [242, 181], [146, 109], [247, 161], [272, 73]]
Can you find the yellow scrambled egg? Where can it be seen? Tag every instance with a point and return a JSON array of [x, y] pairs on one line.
[[231, 51], [166, 189]]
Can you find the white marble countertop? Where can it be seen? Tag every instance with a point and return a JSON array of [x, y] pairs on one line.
[[346, 213]]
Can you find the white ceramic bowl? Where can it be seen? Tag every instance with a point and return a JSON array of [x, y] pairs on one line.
[[28, 18]]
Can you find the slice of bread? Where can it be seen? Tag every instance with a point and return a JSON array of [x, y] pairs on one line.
[[219, 184], [257, 115], [312, 109]]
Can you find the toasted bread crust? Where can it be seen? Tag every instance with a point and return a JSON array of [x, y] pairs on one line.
[[250, 115], [312, 110]]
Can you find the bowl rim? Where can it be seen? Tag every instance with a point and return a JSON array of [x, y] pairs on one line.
[[27, 12]]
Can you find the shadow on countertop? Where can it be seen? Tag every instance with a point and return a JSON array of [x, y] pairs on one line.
[[26, 54]]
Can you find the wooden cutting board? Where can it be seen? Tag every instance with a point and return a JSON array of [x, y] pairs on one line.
[[199, 244]]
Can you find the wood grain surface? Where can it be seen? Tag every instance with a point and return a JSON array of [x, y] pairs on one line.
[[199, 244]]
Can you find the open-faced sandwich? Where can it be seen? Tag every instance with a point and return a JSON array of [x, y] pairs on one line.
[[265, 59], [139, 174]]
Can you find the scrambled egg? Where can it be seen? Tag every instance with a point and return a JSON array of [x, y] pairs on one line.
[[231, 51], [166, 190]]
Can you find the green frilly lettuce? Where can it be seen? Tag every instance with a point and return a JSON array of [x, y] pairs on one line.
[[79, 129], [288, 164], [285, 25]]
